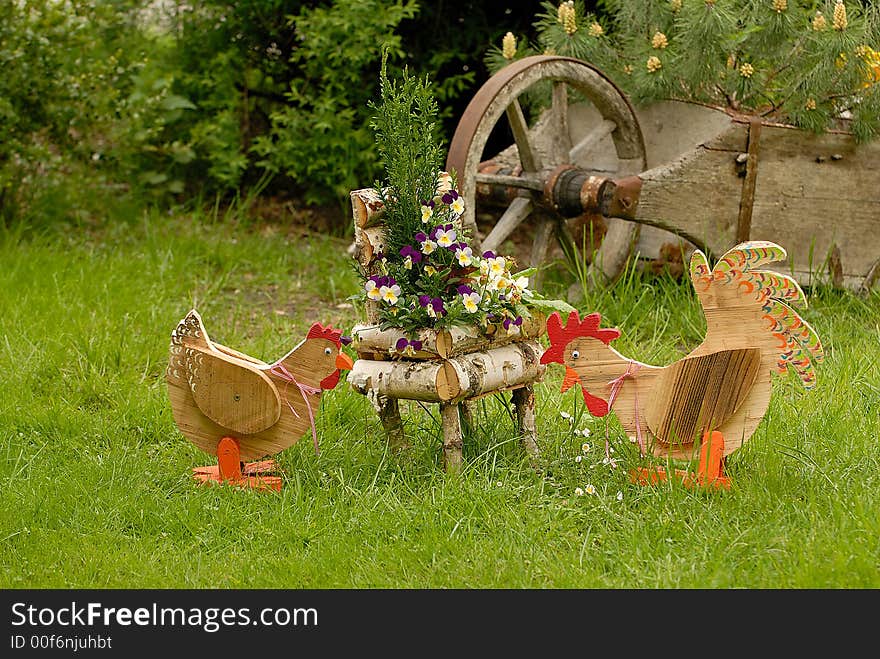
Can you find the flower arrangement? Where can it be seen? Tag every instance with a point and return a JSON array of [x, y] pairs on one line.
[[436, 280], [430, 276]]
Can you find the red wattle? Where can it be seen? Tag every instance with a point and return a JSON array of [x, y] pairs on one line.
[[595, 405], [330, 381]]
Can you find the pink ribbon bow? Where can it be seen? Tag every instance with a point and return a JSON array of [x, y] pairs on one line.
[[616, 384], [304, 389]]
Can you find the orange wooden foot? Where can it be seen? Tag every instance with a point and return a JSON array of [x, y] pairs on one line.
[[710, 472], [231, 471]]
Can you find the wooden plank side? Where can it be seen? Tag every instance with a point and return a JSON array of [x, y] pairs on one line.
[[814, 192], [697, 196]]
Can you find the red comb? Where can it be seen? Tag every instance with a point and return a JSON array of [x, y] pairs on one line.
[[318, 331], [560, 336]]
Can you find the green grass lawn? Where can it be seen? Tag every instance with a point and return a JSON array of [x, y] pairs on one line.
[[96, 485]]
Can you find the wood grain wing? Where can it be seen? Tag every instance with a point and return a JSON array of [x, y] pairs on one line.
[[696, 394], [232, 393]]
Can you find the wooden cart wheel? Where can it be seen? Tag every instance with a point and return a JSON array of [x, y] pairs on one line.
[[521, 175]]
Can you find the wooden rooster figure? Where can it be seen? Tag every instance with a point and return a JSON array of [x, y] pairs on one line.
[[240, 408], [714, 398]]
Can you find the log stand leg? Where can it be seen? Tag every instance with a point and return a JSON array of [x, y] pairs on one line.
[[389, 415], [452, 440], [524, 403], [466, 409]]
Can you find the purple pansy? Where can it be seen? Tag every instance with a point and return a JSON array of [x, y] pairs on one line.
[[434, 305], [407, 347], [512, 326], [445, 236], [449, 197], [427, 243], [464, 254], [412, 253]]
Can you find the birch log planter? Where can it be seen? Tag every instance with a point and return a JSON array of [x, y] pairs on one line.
[[451, 367]]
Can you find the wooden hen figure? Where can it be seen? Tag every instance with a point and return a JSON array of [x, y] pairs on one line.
[[713, 399], [240, 408]]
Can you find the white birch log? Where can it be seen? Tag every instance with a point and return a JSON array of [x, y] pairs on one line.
[[429, 381], [500, 368], [466, 376], [369, 245], [367, 208]]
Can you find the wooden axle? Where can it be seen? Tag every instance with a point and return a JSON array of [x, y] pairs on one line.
[[568, 190]]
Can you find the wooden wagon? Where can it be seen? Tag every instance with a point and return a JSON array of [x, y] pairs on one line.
[[673, 173]]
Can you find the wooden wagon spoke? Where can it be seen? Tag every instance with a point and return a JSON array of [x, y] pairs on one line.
[[559, 135], [528, 155], [540, 245], [526, 182], [591, 141], [518, 210]]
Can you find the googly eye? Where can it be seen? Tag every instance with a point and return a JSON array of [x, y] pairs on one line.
[[575, 354], [328, 351]]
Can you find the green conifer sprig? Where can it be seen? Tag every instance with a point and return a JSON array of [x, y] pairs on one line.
[[770, 58], [409, 144]]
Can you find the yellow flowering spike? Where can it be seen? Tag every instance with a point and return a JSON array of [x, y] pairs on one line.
[[595, 30], [839, 21], [659, 40], [819, 22], [746, 70], [560, 12], [675, 5], [628, 69], [569, 17], [653, 64], [810, 104], [840, 62], [780, 5], [508, 46]]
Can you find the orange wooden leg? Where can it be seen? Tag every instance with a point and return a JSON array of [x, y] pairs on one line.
[[230, 470], [711, 469], [710, 472], [229, 459]]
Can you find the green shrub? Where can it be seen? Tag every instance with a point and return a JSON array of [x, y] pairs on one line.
[[106, 98], [321, 138]]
